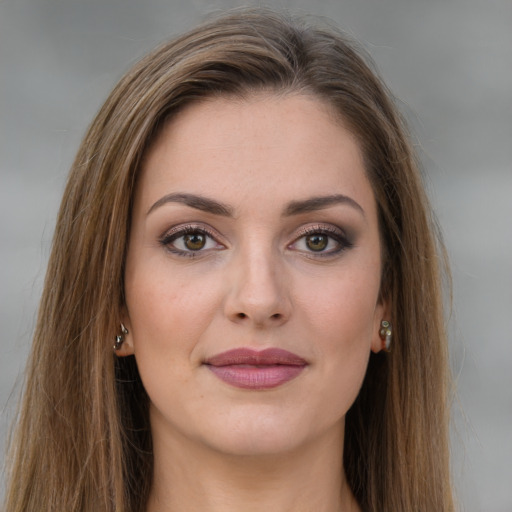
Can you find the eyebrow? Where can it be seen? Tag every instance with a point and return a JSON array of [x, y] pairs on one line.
[[293, 208], [194, 201], [319, 203]]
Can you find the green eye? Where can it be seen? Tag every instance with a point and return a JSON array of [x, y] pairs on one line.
[[194, 241], [317, 242]]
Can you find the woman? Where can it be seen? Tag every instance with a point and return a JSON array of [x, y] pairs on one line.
[[246, 224]]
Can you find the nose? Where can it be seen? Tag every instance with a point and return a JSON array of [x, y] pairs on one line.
[[259, 291]]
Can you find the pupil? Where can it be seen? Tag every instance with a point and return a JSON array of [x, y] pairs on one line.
[[195, 241], [316, 242]]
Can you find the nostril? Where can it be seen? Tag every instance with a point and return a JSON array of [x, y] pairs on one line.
[[276, 317]]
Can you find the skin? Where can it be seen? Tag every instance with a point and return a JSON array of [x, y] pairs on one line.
[[255, 283]]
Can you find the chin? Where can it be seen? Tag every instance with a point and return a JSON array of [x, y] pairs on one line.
[[254, 444], [260, 434]]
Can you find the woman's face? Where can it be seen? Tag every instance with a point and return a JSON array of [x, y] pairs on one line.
[[252, 275]]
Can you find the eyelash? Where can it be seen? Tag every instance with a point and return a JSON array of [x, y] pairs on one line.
[[332, 233], [174, 234]]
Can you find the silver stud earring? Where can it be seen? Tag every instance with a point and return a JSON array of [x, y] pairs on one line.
[[386, 335], [120, 338]]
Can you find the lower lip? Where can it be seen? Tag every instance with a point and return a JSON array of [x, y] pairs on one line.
[[256, 377]]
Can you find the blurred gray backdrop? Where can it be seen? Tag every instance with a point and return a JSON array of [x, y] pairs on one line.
[[449, 62]]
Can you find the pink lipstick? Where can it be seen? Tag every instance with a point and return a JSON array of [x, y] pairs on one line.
[[251, 369]]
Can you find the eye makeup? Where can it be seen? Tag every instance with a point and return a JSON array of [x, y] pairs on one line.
[[321, 240], [190, 240], [315, 241]]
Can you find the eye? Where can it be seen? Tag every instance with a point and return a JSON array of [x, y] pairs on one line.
[[194, 241], [321, 240], [317, 242], [189, 241]]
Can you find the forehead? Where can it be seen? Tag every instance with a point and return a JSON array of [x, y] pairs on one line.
[[284, 147]]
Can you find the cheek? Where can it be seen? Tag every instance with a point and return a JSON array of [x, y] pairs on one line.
[[343, 308], [168, 318], [341, 316], [167, 315]]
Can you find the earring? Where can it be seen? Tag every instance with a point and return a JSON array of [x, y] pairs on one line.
[[120, 338], [386, 334]]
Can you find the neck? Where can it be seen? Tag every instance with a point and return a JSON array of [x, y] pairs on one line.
[[198, 478]]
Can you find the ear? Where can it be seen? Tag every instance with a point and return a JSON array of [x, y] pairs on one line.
[[126, 349], [382, 312]]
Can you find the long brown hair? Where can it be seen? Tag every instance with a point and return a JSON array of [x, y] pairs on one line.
[[82, 442]]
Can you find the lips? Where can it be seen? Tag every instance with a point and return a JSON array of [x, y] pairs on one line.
[[250, 369]]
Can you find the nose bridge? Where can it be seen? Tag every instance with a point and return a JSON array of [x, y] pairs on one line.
[[258, 291]]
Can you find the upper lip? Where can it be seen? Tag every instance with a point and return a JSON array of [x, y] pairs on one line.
[[247, 356]]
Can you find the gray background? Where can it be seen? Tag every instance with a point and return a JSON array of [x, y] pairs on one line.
[[450, 63]]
